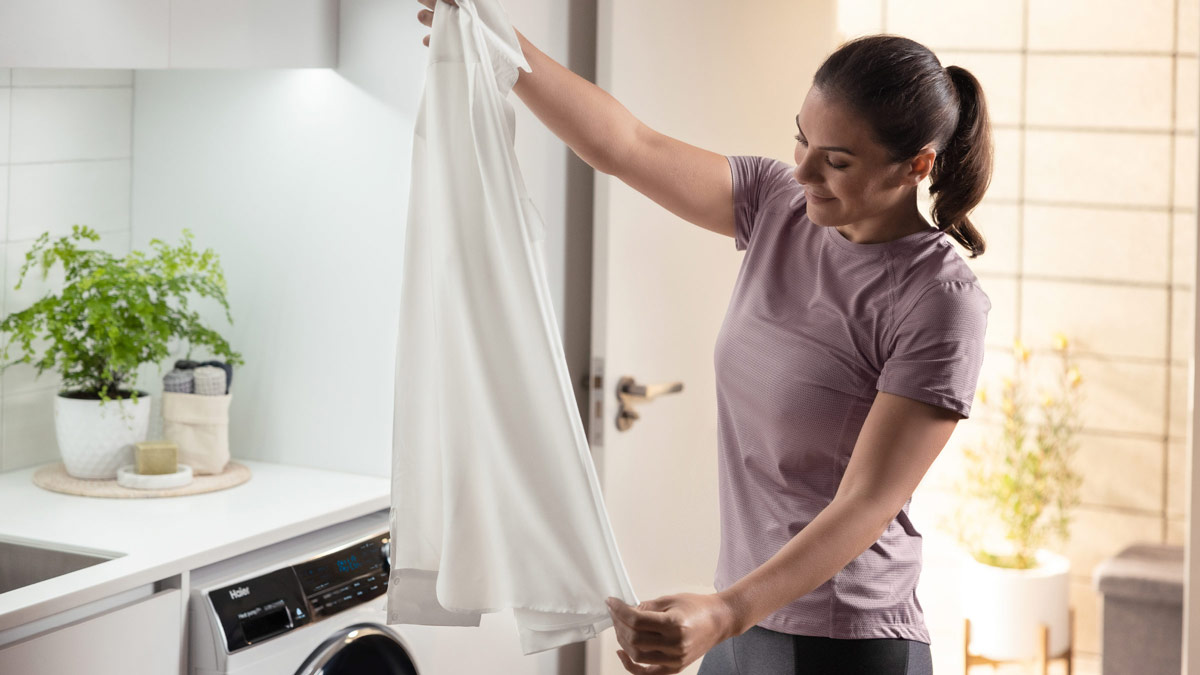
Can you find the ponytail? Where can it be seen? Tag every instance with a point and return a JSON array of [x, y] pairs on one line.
[[962, 171]]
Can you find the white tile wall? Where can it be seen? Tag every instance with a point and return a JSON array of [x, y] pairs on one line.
[[999, 224], [1006, 167], [57, 195], [1179, 401], [1182, 327], [1000, 76], [1002, 319], [1086, 311], [956, 24], [1186, 160], [1097, 244], [1098, 533], [1130, 169], [1183, 269], [62, 124], [1100, 25], [28, 437], [3, 203], [1079, 91], [5, 117], [859, 17], [1177, 473], [1120, 472], [1187, 80], [1121, 396], [1189, 27], [68, 162]]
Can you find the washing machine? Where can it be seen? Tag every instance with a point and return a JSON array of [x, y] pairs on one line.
[[316, 605]]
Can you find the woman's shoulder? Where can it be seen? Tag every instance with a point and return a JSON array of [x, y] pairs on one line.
[[940, 276]]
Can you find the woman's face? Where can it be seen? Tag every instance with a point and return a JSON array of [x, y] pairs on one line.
[[849, 178]]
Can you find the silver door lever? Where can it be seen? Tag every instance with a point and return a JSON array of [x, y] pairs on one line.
[[629, 393]]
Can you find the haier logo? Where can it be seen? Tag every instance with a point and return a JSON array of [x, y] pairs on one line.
[[235, 593]]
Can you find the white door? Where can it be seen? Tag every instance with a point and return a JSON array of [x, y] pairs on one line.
[[728, 77]]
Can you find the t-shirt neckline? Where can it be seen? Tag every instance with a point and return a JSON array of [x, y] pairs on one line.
[[880, 247]]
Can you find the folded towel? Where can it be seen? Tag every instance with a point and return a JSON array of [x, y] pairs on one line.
[[179, 381], [210, 381], [188, 364]]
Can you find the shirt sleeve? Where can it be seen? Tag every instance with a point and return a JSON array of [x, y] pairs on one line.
[[938, 346], [756, 180]]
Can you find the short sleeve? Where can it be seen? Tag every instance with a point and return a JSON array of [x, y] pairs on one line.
[[756, 182], [937, 347]]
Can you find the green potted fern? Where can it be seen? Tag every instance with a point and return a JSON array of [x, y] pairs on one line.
[[1017, 496], [112, 315]]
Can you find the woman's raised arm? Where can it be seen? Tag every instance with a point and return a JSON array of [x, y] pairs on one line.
[[693, 183]]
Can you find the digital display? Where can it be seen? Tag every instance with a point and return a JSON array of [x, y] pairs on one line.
[[331, 572]]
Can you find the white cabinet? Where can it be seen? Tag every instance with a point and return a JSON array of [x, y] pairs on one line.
[[133, 34], [83, 34], [139, 638]]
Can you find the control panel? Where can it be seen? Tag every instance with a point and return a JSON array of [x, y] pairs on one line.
[[257, 609]]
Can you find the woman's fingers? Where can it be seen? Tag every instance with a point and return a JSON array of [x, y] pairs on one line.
[[425, 16]]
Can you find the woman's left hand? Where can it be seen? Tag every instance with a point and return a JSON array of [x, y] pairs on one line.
[[671, 631]]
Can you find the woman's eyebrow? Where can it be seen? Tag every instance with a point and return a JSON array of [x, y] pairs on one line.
[[831, 148]]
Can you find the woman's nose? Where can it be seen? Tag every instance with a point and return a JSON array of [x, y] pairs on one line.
[[806, 171]]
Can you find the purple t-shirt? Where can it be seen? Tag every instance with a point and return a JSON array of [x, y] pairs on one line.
[[816, 325]]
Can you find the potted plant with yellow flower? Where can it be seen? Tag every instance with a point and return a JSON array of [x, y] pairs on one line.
[[1019, 492]]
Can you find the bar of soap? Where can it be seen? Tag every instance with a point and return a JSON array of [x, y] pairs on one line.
[[155, 457]]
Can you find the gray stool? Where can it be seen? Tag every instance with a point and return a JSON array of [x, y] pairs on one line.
[[1142, 610]]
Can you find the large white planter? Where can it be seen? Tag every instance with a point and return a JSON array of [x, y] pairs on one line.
[[1007, 606], [96, 440]]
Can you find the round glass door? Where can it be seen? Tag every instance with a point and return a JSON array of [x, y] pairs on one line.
[[362, 649]]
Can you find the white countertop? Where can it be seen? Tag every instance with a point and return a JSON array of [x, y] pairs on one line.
[[162, 537]]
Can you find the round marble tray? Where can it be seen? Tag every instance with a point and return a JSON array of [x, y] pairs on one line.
[[54, 477]]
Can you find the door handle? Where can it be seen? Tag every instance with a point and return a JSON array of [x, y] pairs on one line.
[[629, 393]]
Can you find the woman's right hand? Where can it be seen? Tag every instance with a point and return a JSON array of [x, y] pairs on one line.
[[425, 16]]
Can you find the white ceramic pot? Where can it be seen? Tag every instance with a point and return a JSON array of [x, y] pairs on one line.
[[96, 440], [1007, 606]]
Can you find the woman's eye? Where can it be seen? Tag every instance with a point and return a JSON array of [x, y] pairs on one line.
[[805, 144]]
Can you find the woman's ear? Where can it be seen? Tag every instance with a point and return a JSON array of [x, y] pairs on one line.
[[921, 165]]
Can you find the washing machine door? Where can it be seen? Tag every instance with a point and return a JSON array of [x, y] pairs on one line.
[[361, 649]]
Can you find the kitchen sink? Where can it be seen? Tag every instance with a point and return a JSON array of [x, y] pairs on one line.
[[25, 562]]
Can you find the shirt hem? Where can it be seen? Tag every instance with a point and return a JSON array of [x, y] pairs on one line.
[[906, 631]]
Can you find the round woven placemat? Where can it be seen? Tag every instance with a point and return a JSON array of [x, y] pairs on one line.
[[54, 477]]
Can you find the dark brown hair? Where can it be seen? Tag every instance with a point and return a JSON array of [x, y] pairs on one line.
[[900, 88]]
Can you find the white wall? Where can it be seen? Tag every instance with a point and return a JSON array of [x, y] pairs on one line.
[[299, 180], [64, 159]]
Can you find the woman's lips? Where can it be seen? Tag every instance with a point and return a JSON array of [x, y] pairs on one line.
[[819, 199]]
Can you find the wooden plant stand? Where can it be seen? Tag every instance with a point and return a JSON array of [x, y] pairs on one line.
[[1041, 661]]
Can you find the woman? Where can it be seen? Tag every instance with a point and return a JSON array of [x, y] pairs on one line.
[[851, 348]]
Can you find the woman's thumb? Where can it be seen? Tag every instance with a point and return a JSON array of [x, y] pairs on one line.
[[656, 605]]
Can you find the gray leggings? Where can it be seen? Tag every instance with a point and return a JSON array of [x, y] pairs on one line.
[[761, 651]]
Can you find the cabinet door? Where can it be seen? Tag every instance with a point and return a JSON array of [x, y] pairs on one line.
[[254, 34], [141, 638], [74, 34]]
